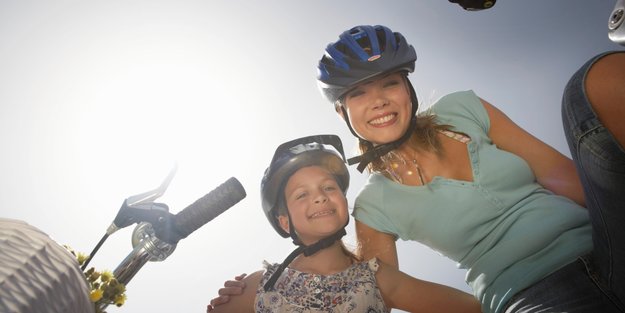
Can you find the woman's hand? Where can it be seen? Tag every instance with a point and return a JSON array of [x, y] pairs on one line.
[[231, 288], [243, 288]]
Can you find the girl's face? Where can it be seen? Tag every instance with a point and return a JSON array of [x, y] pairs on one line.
[[317, 206], [380, 110]]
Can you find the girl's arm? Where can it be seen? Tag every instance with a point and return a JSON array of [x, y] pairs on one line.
[[245, 301], [376, 244], [552, 169], [401, 291]]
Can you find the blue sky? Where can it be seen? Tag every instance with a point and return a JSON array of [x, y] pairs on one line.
[[98, 100]]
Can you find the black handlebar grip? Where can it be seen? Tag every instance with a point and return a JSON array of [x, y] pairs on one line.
[[206, 208]]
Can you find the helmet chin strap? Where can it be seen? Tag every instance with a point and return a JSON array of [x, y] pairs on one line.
[[375, 152], [302, 248]]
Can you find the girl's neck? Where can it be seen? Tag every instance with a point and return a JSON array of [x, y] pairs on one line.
[[325, 262]]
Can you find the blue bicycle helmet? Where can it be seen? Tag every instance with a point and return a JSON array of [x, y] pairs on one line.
[[363, 53]]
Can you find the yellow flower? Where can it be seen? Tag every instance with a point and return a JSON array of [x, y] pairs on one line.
[[104, 287], [81, 257], [106, 276], [120, 299], [96, 295]]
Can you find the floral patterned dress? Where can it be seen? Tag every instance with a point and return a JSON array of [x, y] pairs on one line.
[[352, 290]]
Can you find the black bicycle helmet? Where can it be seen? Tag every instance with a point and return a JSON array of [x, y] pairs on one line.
[[288, 158], [363, 53]]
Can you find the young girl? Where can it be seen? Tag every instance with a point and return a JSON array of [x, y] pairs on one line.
[[468, 182], [303, 196]]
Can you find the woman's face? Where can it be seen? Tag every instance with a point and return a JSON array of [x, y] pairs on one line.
[[317, 206], [380, 110]]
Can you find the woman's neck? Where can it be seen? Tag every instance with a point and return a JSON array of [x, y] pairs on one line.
[[407, 149], [327, 261]]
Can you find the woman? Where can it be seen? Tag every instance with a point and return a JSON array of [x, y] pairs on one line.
[[303, 196], [468, 182]]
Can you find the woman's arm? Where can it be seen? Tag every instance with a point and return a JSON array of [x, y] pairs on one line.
[[401, 291], [371, 243], [552, 169], [375, 244], [245, 301]]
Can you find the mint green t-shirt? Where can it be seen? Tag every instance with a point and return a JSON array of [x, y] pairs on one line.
[[503, 227]]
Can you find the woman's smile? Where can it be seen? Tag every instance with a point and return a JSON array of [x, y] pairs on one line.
[[384, 120]]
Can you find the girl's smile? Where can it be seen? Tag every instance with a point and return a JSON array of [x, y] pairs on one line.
[[322, 213], [316, 204]]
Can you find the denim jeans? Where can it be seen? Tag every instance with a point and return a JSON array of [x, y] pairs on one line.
[[596, 282]]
